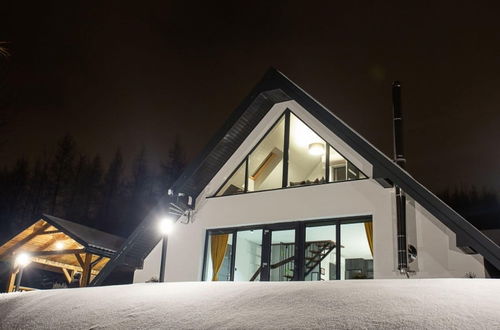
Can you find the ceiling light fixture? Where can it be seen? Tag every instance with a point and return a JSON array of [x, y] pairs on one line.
[[317, 149]]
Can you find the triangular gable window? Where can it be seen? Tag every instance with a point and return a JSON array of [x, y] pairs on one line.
[[290, 154]]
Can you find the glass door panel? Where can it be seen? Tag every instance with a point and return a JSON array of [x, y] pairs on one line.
[[320, 256], [218, 257], [248, 255], [356, 255], [282, 258]]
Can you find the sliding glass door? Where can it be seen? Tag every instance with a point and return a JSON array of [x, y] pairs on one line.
[[281, 255], [247, 262], [320, 250], [320, 253]]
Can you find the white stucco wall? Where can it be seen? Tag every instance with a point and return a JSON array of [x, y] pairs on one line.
[[437, 252]]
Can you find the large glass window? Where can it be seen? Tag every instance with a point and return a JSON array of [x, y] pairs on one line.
[[248, 255], [306, 164], [320, 253], [218, 257], [265, 163], [320, 250], [300, 158], [235, 184], [356, 252]]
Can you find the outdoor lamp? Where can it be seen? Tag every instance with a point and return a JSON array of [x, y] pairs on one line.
[[166, 226], [22, 260]]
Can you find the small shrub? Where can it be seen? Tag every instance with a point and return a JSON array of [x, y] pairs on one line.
[[470, 275]]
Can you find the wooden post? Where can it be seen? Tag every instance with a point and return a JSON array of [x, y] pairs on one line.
[[87, 267], [68, 275], [12, 279]]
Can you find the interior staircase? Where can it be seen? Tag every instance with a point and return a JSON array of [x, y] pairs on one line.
[[315, 252]]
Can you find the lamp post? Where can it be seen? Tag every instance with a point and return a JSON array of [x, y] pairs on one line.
[[166, 225], [22, 260]]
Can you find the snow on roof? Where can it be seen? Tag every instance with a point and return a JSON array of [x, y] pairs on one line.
[[384, 304]]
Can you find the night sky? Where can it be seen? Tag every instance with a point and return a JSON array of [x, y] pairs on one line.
[[115, 74]]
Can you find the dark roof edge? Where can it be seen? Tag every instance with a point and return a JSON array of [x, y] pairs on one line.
[[48, 218], [197, 162], [88, 247]]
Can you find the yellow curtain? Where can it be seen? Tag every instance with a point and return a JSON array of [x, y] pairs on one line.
[[369, 234], [218, 247]]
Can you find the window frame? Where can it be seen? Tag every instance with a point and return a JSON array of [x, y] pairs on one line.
[[300, 239], [286, 146]]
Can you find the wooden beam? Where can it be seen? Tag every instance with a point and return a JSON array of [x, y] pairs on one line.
[[60, 265], [85, 279], [95, 262], [51, 241], [79, 259], [55, 252], [68, 276], [49, 232], [24, 240], [12, 279]]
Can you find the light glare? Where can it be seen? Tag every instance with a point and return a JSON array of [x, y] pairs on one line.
[[23, 259], [166, 225]]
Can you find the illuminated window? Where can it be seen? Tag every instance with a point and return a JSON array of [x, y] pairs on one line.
[[235, 184], [279, 161], [307, 155], [265, 163]]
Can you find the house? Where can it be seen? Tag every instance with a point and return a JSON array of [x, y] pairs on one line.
[[287, 191], [64, 247]]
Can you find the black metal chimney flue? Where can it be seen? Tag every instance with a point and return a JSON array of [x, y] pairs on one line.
[[401, 161]]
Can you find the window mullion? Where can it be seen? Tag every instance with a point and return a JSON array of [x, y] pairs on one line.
[[285, 149]]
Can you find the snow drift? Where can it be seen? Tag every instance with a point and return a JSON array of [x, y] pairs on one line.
[[384, 304]]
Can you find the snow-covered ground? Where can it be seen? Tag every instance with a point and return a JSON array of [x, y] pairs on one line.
[[383, 304]]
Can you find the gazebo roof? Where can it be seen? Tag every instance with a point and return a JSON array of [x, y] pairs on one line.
[[63, 246]]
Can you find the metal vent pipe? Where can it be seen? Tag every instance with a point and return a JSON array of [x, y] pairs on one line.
[[401, 161]]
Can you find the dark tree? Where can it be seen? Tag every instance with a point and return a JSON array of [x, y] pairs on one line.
[[174, 165], [481, 208], [61, 169], [110, 209], [38, 187]]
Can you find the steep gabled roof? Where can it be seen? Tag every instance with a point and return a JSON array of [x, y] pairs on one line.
[[275, 88]]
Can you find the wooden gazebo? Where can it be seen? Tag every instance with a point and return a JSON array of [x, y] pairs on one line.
[[61, 246]]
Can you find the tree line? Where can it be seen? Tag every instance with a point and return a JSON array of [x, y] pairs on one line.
[[479, 207], [81, 188]]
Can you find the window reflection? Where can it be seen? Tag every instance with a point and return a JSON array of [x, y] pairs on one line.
[[265, 163]]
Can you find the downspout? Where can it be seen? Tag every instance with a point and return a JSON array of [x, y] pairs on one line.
[[400, 195]]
